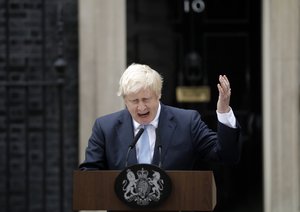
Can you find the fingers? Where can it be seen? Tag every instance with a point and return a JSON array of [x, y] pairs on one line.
[[224, 94], [220, 88], [224, 84]]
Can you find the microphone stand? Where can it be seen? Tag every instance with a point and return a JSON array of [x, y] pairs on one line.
[[135, 139]]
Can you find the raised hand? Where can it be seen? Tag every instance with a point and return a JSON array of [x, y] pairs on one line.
[[224, 94]]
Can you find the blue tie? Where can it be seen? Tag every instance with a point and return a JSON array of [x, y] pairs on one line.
[[144, 151]]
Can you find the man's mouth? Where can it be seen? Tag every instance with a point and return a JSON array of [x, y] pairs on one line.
[[142, 115]]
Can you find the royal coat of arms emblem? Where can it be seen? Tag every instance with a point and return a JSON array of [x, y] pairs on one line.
[[143, 185]]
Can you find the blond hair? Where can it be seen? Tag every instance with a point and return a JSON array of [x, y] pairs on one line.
[[138, 77]]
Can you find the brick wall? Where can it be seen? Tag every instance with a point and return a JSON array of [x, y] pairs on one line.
[[38, 114]]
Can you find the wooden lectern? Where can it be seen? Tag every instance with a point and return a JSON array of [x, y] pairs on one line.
[[191, 191]]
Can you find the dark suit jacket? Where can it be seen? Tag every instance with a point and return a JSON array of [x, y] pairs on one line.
[[184, 138]]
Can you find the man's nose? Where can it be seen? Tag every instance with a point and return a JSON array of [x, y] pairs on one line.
[[141, 105]]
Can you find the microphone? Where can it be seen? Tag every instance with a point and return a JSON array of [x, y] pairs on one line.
[[130, 147], [159, 146]]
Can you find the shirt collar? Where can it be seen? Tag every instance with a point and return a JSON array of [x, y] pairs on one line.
[[154, 122]]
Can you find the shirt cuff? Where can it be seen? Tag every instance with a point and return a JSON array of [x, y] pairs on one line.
[[227, 119]]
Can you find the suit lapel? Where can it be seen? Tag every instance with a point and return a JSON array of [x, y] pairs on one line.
[[166, 128], [126, 135]]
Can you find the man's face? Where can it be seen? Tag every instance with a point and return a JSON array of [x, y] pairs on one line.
[[142, 105]]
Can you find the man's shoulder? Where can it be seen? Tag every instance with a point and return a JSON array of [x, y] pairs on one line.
[[180, 113], [177, 110], [114, 116]]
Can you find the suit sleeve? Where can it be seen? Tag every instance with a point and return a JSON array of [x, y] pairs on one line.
[[230, 143], [95, 151], [222, 146]]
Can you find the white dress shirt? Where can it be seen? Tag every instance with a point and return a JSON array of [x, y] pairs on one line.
[[227, 119]]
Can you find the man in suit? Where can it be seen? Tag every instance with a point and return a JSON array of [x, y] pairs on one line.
[[184, 137]]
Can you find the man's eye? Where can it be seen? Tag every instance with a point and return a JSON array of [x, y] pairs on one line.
[[147, 100]]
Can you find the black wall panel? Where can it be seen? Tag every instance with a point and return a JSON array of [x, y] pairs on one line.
[[38, 104]]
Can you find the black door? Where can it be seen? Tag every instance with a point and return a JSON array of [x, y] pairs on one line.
[[191, 42]]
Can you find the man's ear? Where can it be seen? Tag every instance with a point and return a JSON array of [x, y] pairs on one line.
[[124, 101]]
